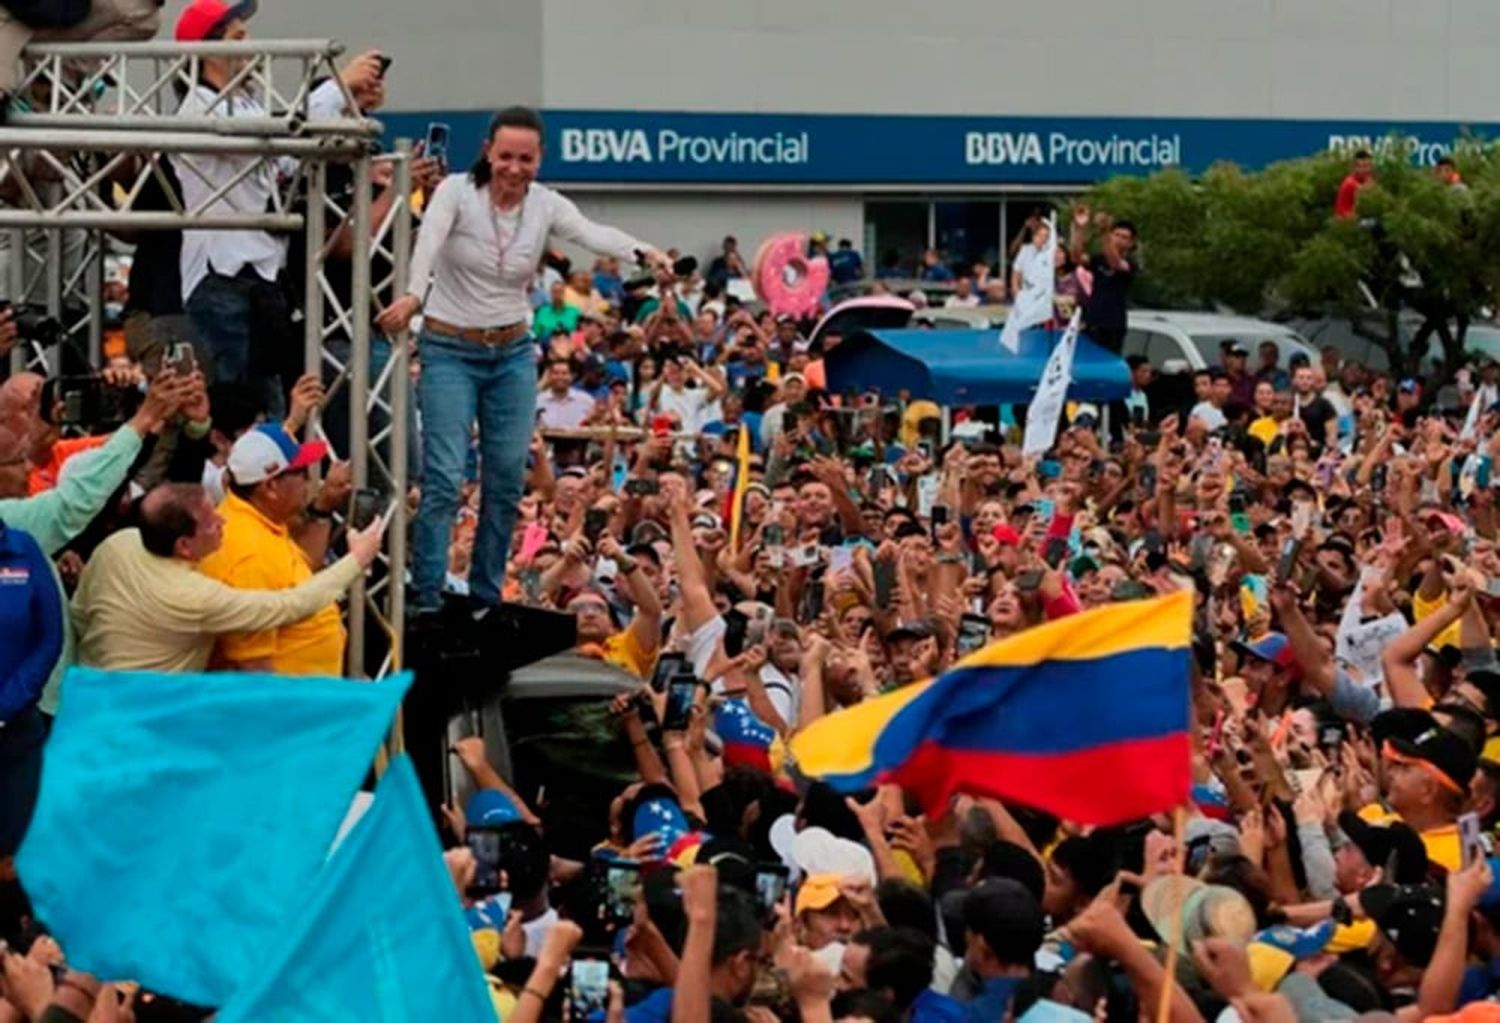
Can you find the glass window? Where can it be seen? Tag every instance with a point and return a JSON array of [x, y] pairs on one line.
[[1156, 346], [967, 232], [895, 235]]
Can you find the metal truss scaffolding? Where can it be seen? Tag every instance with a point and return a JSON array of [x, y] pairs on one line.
[[101, 119]]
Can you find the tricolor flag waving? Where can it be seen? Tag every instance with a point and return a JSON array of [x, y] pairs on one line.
[[1085, 717]]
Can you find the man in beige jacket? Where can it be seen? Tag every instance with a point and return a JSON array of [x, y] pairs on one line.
[[141, 605]]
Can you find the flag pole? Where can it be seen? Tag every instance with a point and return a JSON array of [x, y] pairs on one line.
[[1174, 935]]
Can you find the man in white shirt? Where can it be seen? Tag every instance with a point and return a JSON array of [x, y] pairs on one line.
[[963, 296], [793, 392], [1212, 387], [672, 395], [561, 406], [229, 278]]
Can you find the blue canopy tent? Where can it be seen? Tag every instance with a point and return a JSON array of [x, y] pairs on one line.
[[968, 367]]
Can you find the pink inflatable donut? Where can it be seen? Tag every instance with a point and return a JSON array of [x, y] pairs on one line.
[[787, 281]]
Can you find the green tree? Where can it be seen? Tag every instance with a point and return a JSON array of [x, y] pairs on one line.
[[1267, 243]]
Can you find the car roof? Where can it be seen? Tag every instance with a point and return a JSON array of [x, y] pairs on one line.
[[568, 676], [1208, 323]]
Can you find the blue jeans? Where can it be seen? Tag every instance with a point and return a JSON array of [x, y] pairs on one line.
[[462, 381], [220, 311]]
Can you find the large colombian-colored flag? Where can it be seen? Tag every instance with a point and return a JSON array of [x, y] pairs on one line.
[[1085, 717]]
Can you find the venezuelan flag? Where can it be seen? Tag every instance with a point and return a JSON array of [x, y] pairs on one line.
[[748, 741], [1085, 717]]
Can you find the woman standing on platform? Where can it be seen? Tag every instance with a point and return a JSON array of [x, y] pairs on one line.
[[482, 239]]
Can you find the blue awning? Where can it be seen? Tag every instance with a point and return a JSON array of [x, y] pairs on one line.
[[968, 367]]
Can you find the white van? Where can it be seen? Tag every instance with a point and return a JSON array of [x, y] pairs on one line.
[[1177, 342]]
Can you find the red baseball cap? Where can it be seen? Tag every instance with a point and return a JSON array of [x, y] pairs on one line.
[[1007, 534], [206, 19]]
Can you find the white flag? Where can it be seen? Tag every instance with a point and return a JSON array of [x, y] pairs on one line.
[[1483, 399], [1051, 392], [1034, 304]]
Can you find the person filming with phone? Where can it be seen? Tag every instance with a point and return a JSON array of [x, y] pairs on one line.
[[483, 237]]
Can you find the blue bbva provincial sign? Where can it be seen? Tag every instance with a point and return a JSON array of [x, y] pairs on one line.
[[644, 147]]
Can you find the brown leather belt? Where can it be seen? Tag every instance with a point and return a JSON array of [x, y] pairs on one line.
[[492, 336]]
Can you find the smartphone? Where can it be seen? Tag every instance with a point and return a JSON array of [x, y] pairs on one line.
[[182, 361], [436, 144], [595, 520], [1331, 736], [1482, 472], [1378, 478], [770, 888], [1290, 552], [812, 600], [620, 889], [973, 633], [531, 584], [1237, 517], [588, 986], [1056, 551], [385, 65], [885, 582], [368, 504], [774, 535], [736, 623], [1147, 475], [484, 843], [939, 518], [642, 488], [876, 480], [668, 667], [681, 691], [1149, 438], [1470, 843]]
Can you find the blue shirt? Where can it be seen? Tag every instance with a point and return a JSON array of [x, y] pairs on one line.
[[609, 286], [936, 272], [845, 265], [30, 620], [931, 1007], [654, 1008], [993, 1000]]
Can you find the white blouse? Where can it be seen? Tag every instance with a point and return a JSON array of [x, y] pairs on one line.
[[481, 261]]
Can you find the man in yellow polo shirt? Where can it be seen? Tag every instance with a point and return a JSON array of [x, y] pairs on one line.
[[1427, 780], [275, 539]]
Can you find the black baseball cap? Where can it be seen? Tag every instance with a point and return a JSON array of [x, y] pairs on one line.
[[1395, 848], [1445, 751], [1409, 915], [1007, 916]]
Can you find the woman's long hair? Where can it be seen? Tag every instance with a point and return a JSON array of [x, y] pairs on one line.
[[510, 117]]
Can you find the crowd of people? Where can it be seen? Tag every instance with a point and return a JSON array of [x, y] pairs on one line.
[[662, 459]]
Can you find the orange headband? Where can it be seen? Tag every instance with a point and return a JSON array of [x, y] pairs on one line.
[[1392, 753]]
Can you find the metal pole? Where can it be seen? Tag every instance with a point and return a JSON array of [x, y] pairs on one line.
[[400, 384], [359, 385], [53, 282], [129, 138], [311, 49], [312, 296], [17, 292], [111, 220], [290, 126], [95, 291]]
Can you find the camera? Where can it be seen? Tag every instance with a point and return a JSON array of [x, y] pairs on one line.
[[33, 324]]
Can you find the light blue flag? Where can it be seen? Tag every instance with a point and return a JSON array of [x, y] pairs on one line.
[[382, 939], [183, 818]]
